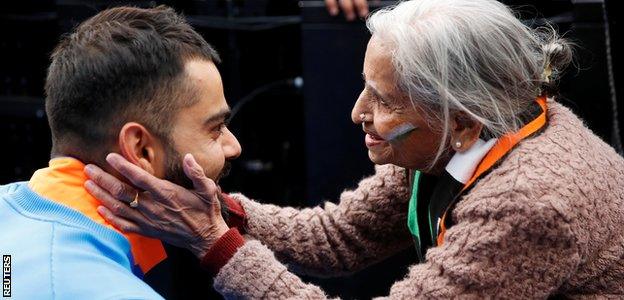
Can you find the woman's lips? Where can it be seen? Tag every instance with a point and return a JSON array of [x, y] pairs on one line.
[[372, 140]]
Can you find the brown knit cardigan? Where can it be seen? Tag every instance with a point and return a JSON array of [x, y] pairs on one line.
[[549, 220]]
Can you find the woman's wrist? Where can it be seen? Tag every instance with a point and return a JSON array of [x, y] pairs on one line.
[[200, 247], [222, 251]]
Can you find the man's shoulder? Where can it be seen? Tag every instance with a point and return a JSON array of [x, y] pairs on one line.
[[10, 188], [55, 252], [76, 275], [96, 277], [17, 226], [7, 186], [69, 262]]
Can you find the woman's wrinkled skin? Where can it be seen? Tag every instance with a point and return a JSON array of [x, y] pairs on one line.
[[171, 213], [387, 108]]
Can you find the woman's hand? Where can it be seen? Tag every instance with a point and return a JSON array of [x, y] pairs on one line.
[[166, 211]]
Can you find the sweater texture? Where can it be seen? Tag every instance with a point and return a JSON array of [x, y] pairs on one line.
[[545, 222]]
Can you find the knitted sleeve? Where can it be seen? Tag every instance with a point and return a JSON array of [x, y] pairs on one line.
[[367, 225], [508, 245]]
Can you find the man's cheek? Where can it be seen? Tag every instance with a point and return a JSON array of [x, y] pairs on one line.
[[211, 168]]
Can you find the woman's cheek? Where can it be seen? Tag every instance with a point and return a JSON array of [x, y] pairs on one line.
[[388, 124]]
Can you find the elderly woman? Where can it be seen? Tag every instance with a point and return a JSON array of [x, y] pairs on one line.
[[503, 191]]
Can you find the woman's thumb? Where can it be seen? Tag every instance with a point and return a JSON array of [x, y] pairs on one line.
[[202, 184]]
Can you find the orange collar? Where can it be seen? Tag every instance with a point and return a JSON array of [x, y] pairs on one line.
[[498, 151], [63, 182]]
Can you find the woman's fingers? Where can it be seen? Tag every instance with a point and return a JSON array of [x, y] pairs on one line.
[[139, 219], [176, 215], [120, 223], [114, 186], [119, 208], [137, 176], [203, 185]]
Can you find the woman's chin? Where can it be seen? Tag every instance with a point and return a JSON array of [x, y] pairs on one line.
[[385, 158], [378, 158]]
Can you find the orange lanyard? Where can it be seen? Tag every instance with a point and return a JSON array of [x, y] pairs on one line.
[[498, 151]]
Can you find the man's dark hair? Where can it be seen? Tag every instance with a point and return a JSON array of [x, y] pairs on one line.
[[124, 64]]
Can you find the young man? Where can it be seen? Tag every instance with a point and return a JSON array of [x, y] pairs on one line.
[[139, 82]]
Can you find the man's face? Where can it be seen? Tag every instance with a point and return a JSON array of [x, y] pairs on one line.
[[200, 129]]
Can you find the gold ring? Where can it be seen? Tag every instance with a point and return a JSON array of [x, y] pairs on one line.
[[135, 202]]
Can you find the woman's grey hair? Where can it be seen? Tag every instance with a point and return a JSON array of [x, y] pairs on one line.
[[473, 56]]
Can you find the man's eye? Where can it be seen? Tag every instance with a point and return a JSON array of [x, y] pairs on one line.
[[221, 128], [218, 130]]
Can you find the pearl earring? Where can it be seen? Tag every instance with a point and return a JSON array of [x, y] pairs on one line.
[[458, 144]]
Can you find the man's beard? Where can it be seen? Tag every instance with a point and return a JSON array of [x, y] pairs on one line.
[[174, 172]]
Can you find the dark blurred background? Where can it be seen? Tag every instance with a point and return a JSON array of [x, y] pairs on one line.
[[292, 73]]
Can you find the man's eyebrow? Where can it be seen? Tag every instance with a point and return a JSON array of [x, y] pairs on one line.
[[224, 114]]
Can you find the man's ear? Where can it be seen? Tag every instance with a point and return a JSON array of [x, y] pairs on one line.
[[465, 131], [139, 146]]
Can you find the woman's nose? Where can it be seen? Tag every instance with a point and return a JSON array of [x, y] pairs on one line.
[[358, 109]]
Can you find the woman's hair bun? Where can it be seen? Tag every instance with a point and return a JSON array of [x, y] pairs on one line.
[[557, 55]]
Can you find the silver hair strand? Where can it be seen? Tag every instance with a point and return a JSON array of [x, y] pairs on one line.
[[473, 56]]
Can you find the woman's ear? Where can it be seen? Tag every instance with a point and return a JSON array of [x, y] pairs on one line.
[[465, 131], [139, 146]]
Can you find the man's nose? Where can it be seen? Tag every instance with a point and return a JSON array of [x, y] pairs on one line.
[[231, 147]]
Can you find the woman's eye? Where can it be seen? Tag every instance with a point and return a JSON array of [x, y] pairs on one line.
[[381, 101]]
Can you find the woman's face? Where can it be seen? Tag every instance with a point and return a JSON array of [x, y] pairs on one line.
[[385, 108]]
